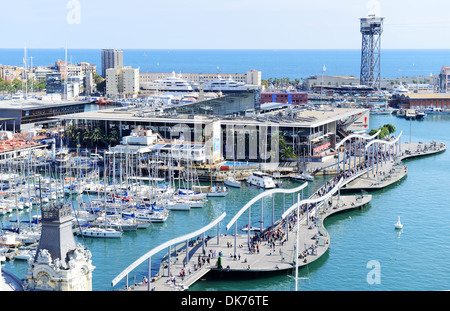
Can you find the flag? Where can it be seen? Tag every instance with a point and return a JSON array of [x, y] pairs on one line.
[[324, 68]]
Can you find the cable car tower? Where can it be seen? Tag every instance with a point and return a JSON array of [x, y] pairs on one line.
[[371, 29]]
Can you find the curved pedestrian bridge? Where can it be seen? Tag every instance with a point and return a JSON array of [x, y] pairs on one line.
[[273, 248]]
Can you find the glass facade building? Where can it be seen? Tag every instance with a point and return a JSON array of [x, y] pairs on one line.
[[53, 83]]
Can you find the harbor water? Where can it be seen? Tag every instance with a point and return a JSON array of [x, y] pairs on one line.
[[414, 258]]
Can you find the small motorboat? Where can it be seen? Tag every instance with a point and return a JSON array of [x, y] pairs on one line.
[[232, 182], [398, 225], [302, 177], [217, 191], [251, 228]]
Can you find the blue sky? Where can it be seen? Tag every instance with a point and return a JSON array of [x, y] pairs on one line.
[[224, 24]]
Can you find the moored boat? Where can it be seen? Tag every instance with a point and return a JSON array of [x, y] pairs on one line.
[[410, 114], [232, 182], [420, 114], [97, 232], [217, 191], [302, 177], [261, 180]]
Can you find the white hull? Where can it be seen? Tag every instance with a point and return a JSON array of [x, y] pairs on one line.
[[398, 225], [232, 183], [251, 229], [217, 194], [302, 177], [100, 233], [152, 217], [177, 206], [260, 180], [24, 255]]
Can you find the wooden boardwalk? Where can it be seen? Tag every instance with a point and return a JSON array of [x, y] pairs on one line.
[[276, 252], [392, 171], [265, 257]]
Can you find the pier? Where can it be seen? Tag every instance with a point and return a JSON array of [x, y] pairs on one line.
[[274, 247]]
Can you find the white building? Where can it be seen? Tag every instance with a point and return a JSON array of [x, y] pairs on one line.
[[89, 83], [122, 81]]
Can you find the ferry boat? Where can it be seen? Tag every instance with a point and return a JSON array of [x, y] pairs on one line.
[[261, 180], [173, 83]]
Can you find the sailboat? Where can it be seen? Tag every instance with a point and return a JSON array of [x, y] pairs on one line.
[[398, 225]]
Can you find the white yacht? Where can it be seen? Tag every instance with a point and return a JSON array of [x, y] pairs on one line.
[[399, 89], [261, 180], [225, 85], [97, 232], [173, 83]]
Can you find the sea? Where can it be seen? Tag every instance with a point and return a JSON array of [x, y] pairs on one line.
[[293, 64], [413, 259]]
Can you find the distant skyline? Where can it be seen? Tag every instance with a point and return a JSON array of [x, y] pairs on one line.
[[213, 24]]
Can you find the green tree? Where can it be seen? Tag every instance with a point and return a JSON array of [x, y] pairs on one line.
[[390, 127], [96, 135], [372, 132], [87, 137], [288, 153], [114, 137], [384, 132]]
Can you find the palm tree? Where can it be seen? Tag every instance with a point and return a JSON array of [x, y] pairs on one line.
[[87, 136], [114, 138], [70, 130], [96, 135], [288, 153]]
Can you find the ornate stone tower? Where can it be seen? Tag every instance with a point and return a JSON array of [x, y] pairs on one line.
[[59, 264]]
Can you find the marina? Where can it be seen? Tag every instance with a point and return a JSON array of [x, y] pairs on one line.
[[133, 183]]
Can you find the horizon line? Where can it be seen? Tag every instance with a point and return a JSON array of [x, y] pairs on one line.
[[229, 49]]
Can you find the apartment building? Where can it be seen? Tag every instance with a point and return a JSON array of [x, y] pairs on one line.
[[122, 81], [444, 80], [111, 58]]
